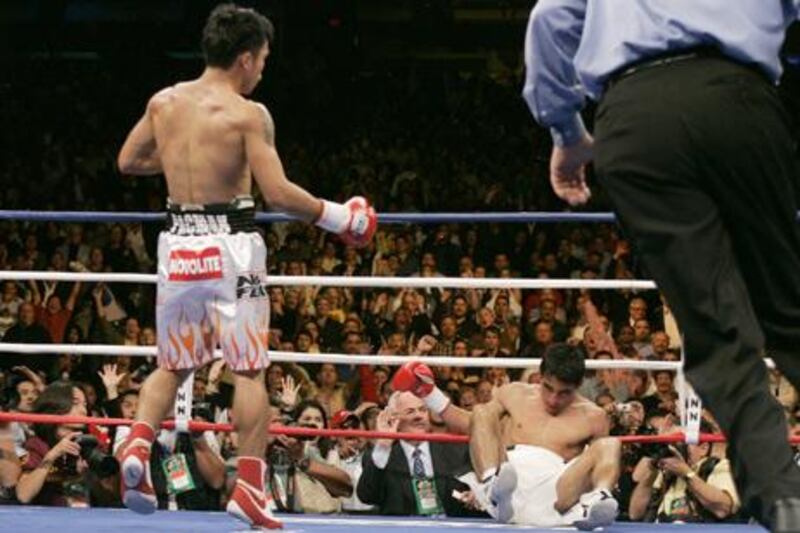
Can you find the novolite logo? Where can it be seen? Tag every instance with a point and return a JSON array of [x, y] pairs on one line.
[[195, 265]]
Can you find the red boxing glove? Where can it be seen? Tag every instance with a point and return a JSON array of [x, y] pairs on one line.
[[362, 224], [414, 377], [354, 221]]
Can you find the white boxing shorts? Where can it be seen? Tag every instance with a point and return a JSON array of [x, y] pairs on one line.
[[212, 287], [538, 470]]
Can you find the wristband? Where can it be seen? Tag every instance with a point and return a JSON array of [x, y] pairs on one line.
[[304, 464], [334, 217], [690, 475], [436, 401]]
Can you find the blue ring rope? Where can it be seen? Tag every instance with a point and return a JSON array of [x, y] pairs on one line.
[[384, 218]]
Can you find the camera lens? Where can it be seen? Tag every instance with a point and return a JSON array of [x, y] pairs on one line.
[[100, 464]]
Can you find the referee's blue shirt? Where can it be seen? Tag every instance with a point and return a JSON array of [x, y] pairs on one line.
[[573, 46]]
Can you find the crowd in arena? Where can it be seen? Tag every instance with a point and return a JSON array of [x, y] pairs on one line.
[[478, 151]]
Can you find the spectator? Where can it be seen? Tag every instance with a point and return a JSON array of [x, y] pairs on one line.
[[641, 339], [659, 343], [491, 344], [75, 249], [412, 478], [349, 457], [54, 471], [10, 301], [665, 397], [330, 331], [10, 469], [306, 468], [27, 330], [27, 388], [331, 394], [688, 485]]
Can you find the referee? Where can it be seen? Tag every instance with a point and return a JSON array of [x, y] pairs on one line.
[[693, 147]]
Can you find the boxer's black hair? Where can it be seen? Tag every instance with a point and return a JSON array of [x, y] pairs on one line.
[[232, 30], [565, 363]]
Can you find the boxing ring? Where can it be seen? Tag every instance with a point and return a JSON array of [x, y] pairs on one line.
[[46, 519], [35, 519]]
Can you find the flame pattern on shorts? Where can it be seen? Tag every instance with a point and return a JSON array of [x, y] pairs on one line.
[[190, 344], [193, 317]]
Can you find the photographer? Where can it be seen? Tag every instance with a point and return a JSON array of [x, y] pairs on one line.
[[64, 465], [349, 453], [304, 477], [187, 469], [9, 463], [684, 483]]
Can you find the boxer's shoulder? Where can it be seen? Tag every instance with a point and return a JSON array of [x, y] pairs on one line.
[[594, 415], [515, 390], [256, 117]]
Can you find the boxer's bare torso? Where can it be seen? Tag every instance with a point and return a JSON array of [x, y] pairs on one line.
[[528, 422]]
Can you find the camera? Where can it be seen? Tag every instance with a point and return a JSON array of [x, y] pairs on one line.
[[306, 437], [203, 411], [659, 451], [100, 464]]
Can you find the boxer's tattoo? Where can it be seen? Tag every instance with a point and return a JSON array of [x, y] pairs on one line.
[[269, 126]]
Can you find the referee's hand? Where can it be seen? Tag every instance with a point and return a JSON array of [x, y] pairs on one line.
[[568, 171]]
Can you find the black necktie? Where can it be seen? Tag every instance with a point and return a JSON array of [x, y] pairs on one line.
[[418, 465]]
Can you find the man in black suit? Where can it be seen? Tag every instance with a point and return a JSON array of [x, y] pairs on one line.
[[412, 477]]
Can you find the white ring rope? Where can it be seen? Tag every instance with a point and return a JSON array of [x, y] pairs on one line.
[[346, 359], [356, 281]]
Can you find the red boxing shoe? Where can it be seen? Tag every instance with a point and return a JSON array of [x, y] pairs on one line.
[[134, 461], [249, 502]]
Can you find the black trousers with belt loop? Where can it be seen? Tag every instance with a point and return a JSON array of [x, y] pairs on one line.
[[698, 160]]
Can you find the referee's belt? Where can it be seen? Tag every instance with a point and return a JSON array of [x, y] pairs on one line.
[[236, 216], [663, 60]]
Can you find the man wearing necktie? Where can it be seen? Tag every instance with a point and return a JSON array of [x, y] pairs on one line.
[[413, 477], [692, 145]]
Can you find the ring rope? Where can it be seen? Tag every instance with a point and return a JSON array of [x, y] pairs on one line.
[[278, 429], [353, 281], [266, 217], [340, 358], [347, 359]]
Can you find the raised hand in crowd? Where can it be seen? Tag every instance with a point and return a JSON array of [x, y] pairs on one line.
[[32, 376], [380, 304], [111, 380], [289, 393], [386, 423], [425, 345]]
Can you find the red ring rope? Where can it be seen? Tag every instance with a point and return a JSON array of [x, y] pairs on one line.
[[312, 432]]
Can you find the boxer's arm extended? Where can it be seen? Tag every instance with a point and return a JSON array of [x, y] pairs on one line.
[[267, 168], [456, 419], [139, 155]]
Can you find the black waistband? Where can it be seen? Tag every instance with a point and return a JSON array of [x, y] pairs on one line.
[[237, 216], [668, 58]]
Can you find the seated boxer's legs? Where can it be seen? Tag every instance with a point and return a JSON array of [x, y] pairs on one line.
[[590, 480], [486, 447], [490, 462]]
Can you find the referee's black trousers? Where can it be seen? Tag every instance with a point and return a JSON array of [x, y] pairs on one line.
[[699, 163]]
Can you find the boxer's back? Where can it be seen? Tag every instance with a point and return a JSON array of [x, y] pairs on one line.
[[197, 127]]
